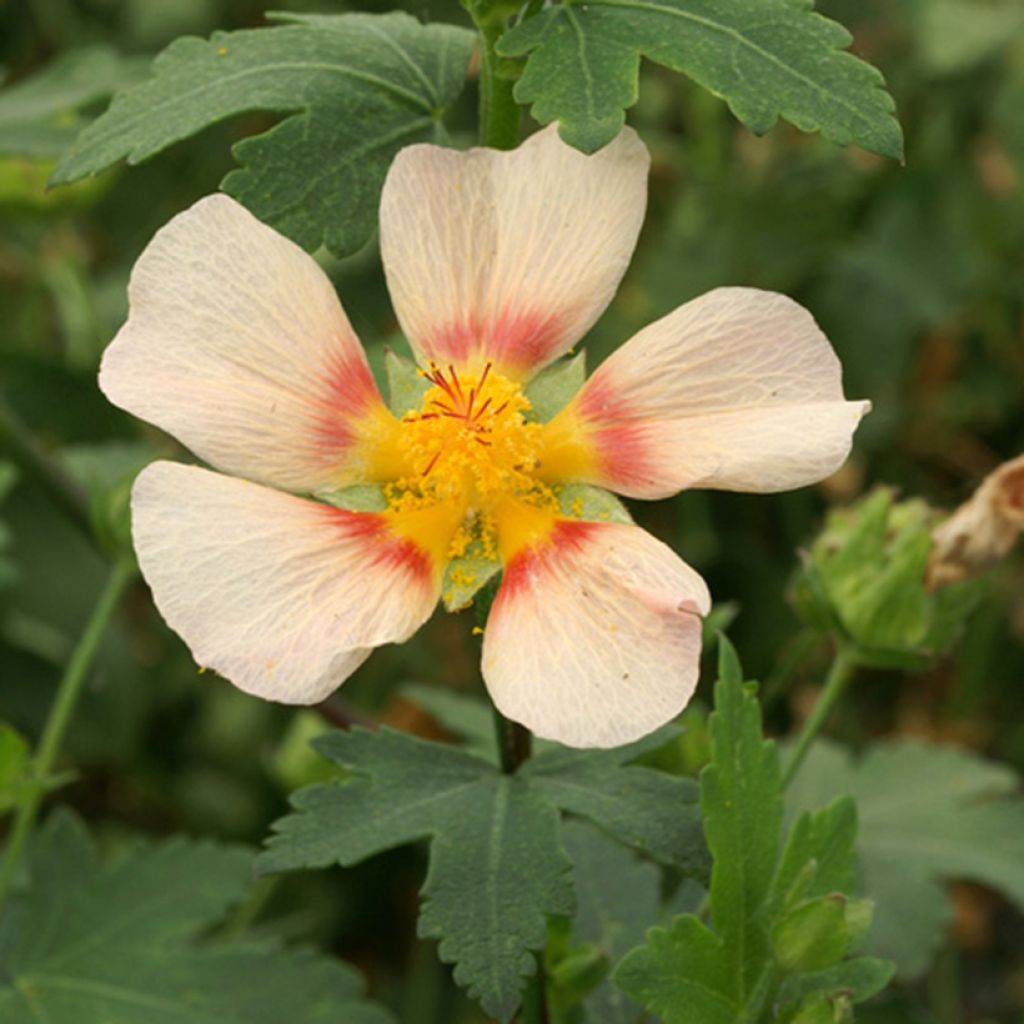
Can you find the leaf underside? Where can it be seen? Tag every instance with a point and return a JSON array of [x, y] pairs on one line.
[[356, 89], [766, 58]]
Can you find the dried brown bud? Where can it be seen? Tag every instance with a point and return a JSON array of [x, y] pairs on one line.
[[981, 530]]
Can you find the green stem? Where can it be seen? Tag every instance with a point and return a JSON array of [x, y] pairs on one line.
[[499, 112], [514, 742], [37, 463], [839, 674], [63, 706]]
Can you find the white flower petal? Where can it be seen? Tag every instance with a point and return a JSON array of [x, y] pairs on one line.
[[509, 256], [237, 345], [594, 637], [283, 596], [738, 389]]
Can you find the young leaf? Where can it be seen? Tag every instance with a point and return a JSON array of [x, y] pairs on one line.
[[927, 813], [766, 58], [819, 855], [356, 89], [683, 973], [688, 973], [769, 921], [497, 868], [118, 943], [742, 806]]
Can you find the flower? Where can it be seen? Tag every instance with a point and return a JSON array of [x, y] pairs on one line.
[[497, 263]]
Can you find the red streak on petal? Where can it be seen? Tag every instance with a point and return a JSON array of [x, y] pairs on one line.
[[568, 537], [517, 339], [600, 400], [348, 391], [626, 453], [384, 547]]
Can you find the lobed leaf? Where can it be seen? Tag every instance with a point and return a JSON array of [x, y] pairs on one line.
[[644, 808], [766, 58], [118, 943], [492, 836], [356, 89]]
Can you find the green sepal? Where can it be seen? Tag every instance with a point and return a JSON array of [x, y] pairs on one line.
[[811, 936], [465, 575], [406, 384], [554, 387], [584, 501], [356, 498]]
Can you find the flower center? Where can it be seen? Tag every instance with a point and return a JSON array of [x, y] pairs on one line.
[[470, 448]]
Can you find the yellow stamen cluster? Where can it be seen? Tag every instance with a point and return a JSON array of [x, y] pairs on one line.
[[471, 450]]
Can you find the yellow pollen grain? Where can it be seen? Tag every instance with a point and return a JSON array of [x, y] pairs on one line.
[[469, 447]]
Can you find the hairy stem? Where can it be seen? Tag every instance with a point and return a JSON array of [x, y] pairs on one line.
[[499, 112], [61, 710], [838, 676]]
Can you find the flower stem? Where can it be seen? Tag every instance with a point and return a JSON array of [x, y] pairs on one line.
[[514, 742], [37, 463], [838, 676], [499, 112], [63, 706]]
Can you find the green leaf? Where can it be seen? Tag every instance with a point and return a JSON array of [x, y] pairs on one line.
[[356, 89], [742, 806], [118, 943], [927, 814], [683, 973], [617, 899], [688, 973], [642, 807], [819, 855], [492, 837], [765, 58], [41, 116], [860, 979], [772, 916], [468, 718]]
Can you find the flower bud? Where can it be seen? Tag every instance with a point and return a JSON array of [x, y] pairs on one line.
[[864, 578]]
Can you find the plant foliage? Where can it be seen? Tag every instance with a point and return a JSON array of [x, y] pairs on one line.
[[493, 835], [356, 89], [766, 58], [119, 943]]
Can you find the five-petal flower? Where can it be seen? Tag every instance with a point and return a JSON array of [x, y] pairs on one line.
[[497, 263]]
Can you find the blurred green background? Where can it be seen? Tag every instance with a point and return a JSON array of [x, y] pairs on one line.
[[915, 272]]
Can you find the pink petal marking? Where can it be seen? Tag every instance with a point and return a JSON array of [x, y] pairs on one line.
[[514, 341]]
